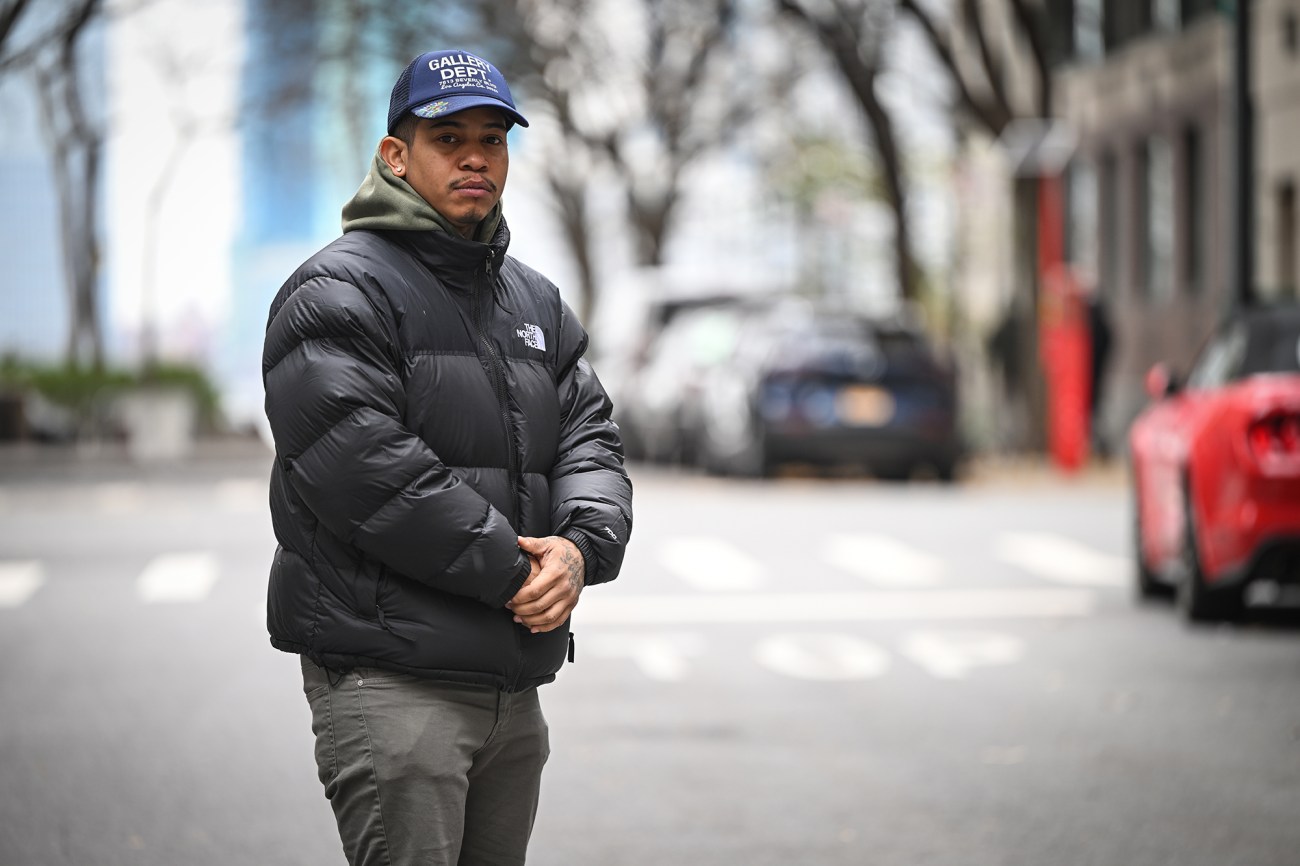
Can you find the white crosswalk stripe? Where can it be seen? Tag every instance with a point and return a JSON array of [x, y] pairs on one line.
[[177, 577], [882, 605], [242, 494], [883, 561], [898, 574], [711, 564], [1060, 559], [19, 581], [662, 657]]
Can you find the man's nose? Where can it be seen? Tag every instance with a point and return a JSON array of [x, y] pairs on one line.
[[473, 159]]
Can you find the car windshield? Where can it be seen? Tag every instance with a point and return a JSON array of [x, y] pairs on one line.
[[1274, 345], [1263, 341]]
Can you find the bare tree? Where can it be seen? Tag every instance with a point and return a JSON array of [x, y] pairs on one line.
[[642, 96], [985, 101], [982, 93], [56, 61], [48, 44], [855, 32], [190, 121], [683, 112]]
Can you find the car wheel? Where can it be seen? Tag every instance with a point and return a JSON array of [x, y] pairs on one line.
[[1196, 599], [1148, 585], [746, 459], [895, 473]]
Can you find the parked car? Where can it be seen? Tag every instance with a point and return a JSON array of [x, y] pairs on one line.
[[1216, 468], [826, 388], [657, 401]]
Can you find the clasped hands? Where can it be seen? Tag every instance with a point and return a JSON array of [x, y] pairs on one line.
[[551, 591]]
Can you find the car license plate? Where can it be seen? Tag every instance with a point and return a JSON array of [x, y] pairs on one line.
[[865, 406]]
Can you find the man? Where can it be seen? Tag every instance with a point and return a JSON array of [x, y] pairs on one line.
[[447, 480]]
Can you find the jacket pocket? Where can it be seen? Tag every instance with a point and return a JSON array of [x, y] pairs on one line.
[[370, 575]]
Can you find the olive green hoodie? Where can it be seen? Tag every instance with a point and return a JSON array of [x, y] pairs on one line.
[[385, 202]]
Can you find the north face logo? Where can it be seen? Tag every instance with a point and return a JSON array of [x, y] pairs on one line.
[[532, 336]]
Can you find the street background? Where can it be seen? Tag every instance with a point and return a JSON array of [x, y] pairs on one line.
[[801, 671], [819, 667]]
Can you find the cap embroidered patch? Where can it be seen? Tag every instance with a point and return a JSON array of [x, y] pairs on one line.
[[433, 109]]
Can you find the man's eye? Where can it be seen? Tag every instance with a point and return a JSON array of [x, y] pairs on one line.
[[495, 139], [447, 139]]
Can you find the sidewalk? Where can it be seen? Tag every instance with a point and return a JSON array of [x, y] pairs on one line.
[[217, 458], [1038, 471], [214, 458]]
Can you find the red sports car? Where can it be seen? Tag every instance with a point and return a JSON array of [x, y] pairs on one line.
[[1216, 468]]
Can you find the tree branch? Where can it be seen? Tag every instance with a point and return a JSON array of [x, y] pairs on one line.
[[70, 24], [992, 66], [1031, 24], [9, 15], [993, 117]]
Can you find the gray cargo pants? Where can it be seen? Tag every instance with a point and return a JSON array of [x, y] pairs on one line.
[[424, 772]]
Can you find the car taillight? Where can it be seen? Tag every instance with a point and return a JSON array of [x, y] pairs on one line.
[[1276, 435]]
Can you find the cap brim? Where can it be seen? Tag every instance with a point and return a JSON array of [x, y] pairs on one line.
[[452, 104]]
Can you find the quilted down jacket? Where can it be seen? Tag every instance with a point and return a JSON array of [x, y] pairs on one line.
[[430, 402]]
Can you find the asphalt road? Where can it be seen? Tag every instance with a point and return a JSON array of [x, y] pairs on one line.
[[795, 672]]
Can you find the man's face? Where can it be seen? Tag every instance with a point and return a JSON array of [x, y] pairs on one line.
[[457, 163]]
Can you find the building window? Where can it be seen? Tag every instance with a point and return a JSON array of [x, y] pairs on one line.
[[1194, 210], [1193, 9], [1158, 218], [1081, 218], [1108, 227], [1166, 15], [1088, 41], [1286, 239]]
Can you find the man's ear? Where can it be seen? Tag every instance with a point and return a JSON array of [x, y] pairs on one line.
[[394, 151]]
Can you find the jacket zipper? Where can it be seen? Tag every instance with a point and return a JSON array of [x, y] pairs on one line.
[[496, 368], [499, 387]]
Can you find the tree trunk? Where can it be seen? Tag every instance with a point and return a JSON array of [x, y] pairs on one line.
[[861, 77], [570, 201]]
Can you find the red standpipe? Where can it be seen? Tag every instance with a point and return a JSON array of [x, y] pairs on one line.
[[1064, 342]]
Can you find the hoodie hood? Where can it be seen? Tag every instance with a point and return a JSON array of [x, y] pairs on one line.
[[385, 202]]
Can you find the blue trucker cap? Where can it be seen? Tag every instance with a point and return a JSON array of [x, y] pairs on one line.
[[444, 82]]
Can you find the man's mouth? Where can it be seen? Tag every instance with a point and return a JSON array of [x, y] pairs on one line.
[[474, 186]]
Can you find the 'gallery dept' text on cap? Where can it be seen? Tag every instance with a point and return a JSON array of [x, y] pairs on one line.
[[444, 82]]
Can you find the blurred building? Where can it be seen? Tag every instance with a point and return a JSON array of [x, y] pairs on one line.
[[279, 168], [1148, 88], [1145, 88], [313, 110]]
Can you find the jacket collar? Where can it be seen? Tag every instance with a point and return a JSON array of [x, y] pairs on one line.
[[455, 260]]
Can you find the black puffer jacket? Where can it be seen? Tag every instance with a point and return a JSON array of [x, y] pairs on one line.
[[430, 403]]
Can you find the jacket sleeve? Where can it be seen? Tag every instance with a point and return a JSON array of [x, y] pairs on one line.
[[591, 494], [335, 400]]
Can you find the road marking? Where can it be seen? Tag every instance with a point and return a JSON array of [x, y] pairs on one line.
[[836, 606], [817, 656], [951, 655], [177, 577], [661, 657], [119, 497], [883, 561], [1060, 559], [711, 564], [1003, 756], [243, 494], [824, 657], [19, 580]]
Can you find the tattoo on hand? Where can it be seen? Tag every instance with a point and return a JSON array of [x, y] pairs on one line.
[[573, 565]]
